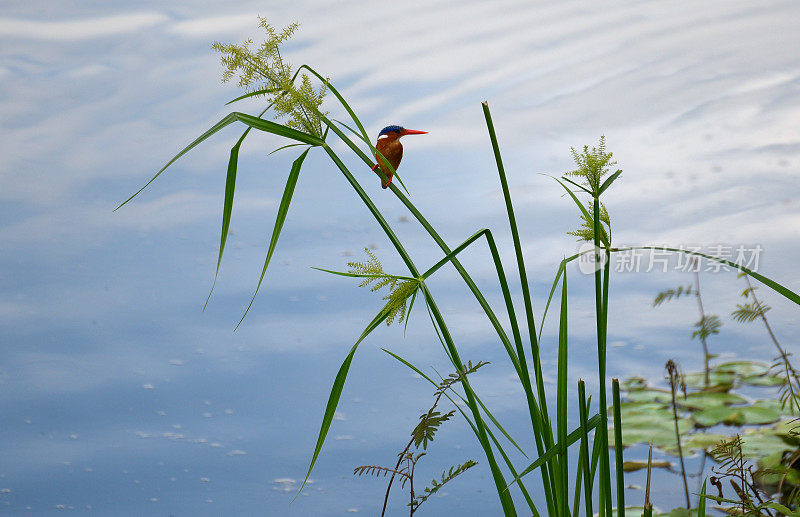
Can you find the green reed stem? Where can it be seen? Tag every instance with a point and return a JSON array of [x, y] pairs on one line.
[[543, 424], [618, 466], [584, 454]]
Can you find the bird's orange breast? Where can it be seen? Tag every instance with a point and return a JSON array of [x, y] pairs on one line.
[[392, 149]]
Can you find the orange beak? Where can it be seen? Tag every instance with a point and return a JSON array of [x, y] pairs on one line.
[[412, 132]]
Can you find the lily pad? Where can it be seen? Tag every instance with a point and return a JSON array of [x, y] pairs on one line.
[[788, 430], [656, 426], [630, 511], [679, 512], [632, 408], [742, 368], [707, 399], [737, 415], [718, 379], [633, 383], [650, 395], [705, 441], [633, 466], [762, 380], [772, 471], [762, 442]]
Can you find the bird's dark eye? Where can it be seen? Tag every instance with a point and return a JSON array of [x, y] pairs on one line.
[[397, 131]]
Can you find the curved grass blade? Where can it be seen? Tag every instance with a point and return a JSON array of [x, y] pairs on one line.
[[227, 207], [336, 93], [505, 499], [360, 275], [581, 187], [775, 286], [283, 209], [281, 148], [252, 94], [561, 408], [230, 182], [701, 504], [607, 183], [336, 393], [584, 453], [603, 236], [618, 448], [506, 502], [254, 122], [477, 398]]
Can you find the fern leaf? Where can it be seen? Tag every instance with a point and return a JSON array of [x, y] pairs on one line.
[[748, 312], [707, 326], [447, 476], [669, 294]]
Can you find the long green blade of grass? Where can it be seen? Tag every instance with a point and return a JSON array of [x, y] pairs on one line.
[[227, 208], [584, 454], [251, 121], [283, 209], [600, 313], [607, 183], [338, 96], [561, 409], [263, 91], [543, 424], [336, 392], [775, 286], [618, 449], [587, 215], [701, 504]]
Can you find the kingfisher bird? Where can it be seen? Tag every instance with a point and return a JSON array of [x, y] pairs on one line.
[[392, 150]]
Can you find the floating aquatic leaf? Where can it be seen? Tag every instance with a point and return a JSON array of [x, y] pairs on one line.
[[650, 395], [772, 471], [656, 426], [680, 512], [633, 383], [633, 466], [720, 380], [762, 442], [738, 415], [788, 430], [703, 441], [706, 399], [742, 368], [762, 380]]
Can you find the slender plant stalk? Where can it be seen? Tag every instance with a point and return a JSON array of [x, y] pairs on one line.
[[584, 454], [648, 506], [702, 317], [539, 418], [673, 374], [600, 316], [618, 449], [561, 407]]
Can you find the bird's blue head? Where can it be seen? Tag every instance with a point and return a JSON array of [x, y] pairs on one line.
[[399, 131], [390, 129]]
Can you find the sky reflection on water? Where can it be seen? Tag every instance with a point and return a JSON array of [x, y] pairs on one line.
[[121, 396]]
